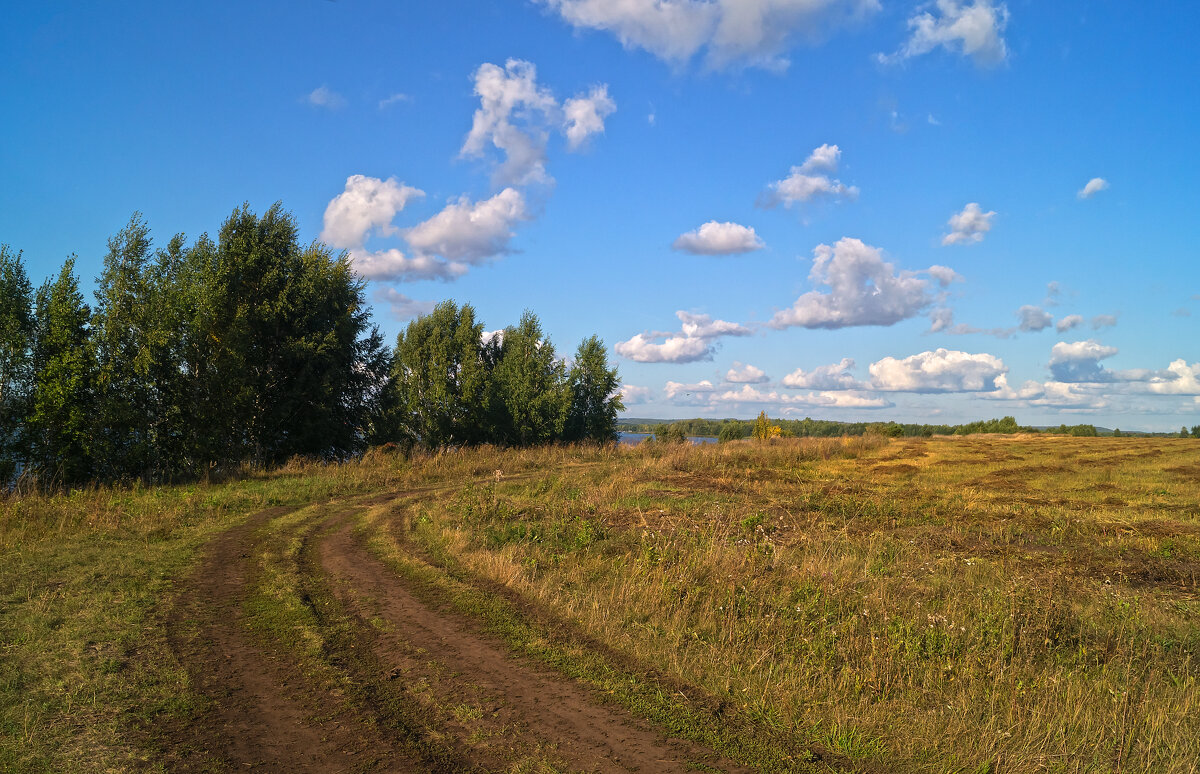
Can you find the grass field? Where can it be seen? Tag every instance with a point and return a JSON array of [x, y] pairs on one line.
[[978, 604]]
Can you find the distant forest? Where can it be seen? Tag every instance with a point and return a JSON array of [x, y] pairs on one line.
[[730, 429], [252, 348]]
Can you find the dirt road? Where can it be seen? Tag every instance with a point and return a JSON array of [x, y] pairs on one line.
[[400, 683]]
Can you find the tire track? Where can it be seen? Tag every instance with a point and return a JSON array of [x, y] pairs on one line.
[[549, 710], [261, 713]]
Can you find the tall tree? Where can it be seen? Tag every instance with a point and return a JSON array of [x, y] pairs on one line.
[[530, 384], [61, 416], [122, 333], [595, 401], [440, 379], [16, 337]]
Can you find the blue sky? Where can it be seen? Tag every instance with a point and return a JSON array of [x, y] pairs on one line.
[[846, 209]]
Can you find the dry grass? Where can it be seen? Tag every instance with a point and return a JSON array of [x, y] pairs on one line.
[[981, 604], [999, 604]]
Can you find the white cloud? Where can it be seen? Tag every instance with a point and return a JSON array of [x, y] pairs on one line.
[[403, 307], [733, 32], [969, 225], [584, 116], [836, 376], [506, 95], [1093, 187], [1102, 321], [444, 247], [864, 289], [975, 30], [325, 97], [752, 395], [822, 159], [696, 340], [941, 370], [394, 99], [746, 374], [1069, 322], [632, 395], [1051, 394], [715, 238], [844, 400], [515, 116], [1080, 361], [1033, 318], [470, 232], [1183, 380], [805, 183], [675, 390], [393, 265], [702, 326], [366, 204], [644, 348]]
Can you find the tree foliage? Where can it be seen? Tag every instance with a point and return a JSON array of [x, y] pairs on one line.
[[451, 387], [62, 414], [16, 335]]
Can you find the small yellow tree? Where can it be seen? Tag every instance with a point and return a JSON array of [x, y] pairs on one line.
[[762, 427]]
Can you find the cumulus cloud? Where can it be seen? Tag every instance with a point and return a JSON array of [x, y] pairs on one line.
[[1033, 318], [1180, 379], [326, 98], [715, 238], [584, 116], [695, 341], [632, 395], [674, 390], [470, 232], [746, 374], [515, 115], [732, 32], [367, 204], [969, 225], [752, 395], [401, 306], [1080, 361], [975, 30], [941, 370], [864, 289], [512, 114], [1102, 321], [1054, 395], [808, 181], [1069, 322], [835, 376], [1093, 187], [393, 265], [445, 246]]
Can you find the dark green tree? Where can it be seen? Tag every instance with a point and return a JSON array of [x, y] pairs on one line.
[[121, 331], [1196, 431], [670, 432], [16, 337], [595, 401], [61, 416], [439, 380], [730, 431], [530, 386], [281, 348]]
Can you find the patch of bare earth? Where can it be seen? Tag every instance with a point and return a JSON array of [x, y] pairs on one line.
[[260, 714], [483, 708], [530, 707]]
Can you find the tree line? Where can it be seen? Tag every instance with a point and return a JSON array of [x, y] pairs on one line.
[[735, 429], [251, 347]]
